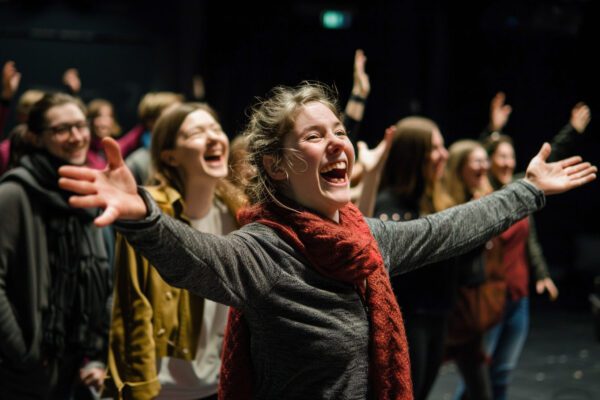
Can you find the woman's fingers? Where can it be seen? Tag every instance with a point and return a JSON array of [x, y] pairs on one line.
[[90, 201], [113, 153], [80, 187], [579, 181], [544, 152], [577, 168], [567, 162], [108, 216], [74, 172]]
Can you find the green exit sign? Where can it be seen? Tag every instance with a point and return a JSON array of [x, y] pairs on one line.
[[336, 19]]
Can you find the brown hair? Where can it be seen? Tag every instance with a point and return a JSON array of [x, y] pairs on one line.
[[26, 101], [94, 108], [270, 120], [36, 123], [458, 155], [164, 137], [154, 103], [406, 165]]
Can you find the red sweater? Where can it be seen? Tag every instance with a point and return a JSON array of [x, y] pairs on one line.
[[514, 241]]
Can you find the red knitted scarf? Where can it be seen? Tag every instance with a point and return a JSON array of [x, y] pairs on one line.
[[347, 252]]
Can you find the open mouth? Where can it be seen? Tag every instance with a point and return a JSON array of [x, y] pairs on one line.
[[335, 172], [213, 157]]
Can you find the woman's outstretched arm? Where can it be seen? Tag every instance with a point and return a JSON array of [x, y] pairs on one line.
[[232, 270], [408, 245]]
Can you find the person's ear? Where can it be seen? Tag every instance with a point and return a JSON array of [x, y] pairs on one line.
[[274, 169], [168, 157]]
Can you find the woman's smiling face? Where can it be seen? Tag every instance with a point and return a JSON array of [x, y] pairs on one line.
[[202, 148], [503, 163], [318, 160], [474, 171]]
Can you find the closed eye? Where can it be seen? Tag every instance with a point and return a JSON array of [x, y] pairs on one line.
[[312, 137]]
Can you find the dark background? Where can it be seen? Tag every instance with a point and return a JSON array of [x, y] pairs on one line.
[[444, 60]]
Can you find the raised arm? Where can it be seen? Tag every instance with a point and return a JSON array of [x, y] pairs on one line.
[[459, 229], [373, 161], [567, 139], [499, 114], [10, 84], [361, 88]]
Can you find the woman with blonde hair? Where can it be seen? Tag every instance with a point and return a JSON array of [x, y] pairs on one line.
[[466, 180]]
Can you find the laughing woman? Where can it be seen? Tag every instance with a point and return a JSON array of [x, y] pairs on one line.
[[166, 342], [308, 273], [55, 278]]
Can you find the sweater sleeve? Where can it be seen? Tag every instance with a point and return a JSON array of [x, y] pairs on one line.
[[564, 143], [535, 253], [234, 270], [408, 245]]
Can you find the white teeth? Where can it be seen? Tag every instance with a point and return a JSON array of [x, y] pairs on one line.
[[337, 165]]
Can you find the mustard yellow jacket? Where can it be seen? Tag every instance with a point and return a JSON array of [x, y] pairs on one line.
[[150, 318]]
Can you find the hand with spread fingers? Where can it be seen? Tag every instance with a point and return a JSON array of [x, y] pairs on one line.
[[112, 189], [560, 176]]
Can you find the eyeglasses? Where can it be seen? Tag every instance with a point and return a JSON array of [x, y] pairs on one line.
[[479, 162], [63, 131]]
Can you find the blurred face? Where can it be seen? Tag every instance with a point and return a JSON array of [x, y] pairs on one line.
[[437, 158], [503, 163], [104, 122], [201, 148], [475, 169], [67, 135], [321, 157]]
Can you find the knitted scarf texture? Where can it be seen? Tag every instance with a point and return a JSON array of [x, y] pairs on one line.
[[346, 252]]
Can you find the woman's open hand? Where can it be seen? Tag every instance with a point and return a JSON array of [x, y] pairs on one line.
[[113, 189], [560, 176]]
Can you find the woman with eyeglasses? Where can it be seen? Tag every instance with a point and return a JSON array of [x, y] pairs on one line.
[[55, 278]]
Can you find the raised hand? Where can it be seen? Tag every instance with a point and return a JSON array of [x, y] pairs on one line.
[[499, 112], [71, 80], [362, 85], [560, 176], [10, 80], [112, 189], [580, 117], [374, 159]]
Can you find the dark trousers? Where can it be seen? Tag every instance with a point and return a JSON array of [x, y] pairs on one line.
[[425, 334]]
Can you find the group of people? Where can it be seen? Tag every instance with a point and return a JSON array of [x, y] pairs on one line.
[[268, 284]]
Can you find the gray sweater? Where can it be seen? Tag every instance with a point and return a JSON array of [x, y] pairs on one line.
[[310, 333]]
